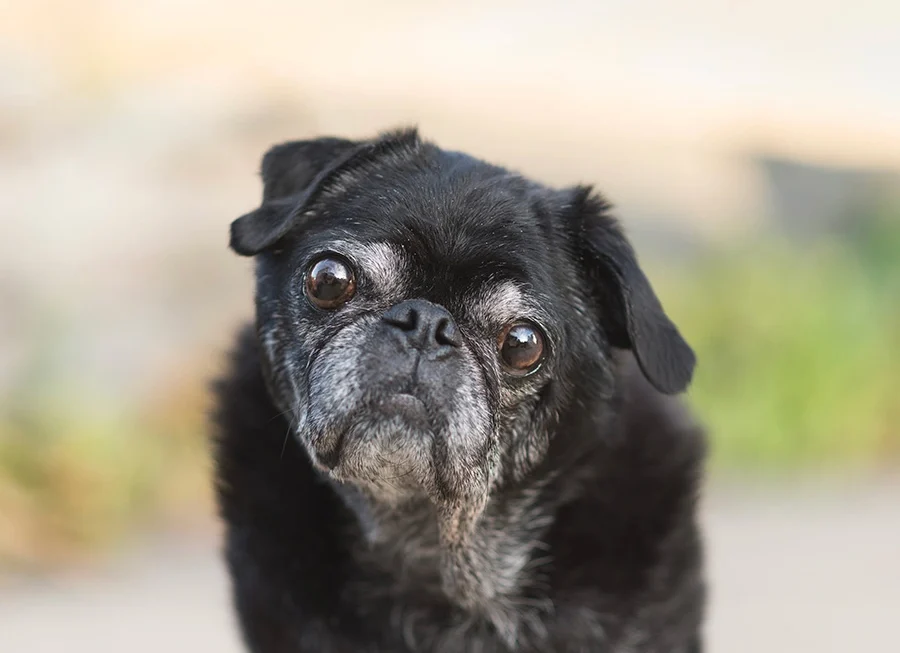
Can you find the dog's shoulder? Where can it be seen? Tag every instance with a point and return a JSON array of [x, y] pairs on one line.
[[264, 479], [286, 581], [247, 429], [632, 530], [659, 427]]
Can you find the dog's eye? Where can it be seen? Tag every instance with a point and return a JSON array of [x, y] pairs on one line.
[[330, 282], [521, 347]]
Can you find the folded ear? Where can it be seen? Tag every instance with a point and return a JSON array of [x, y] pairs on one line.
[[630, 311], [292, 173], [290, 168], [295, 173]]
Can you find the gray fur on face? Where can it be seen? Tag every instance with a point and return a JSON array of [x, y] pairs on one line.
[[499, 304], [432, 477], [384, 264]]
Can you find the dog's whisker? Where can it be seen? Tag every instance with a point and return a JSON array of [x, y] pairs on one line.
[[289, 411], [287, 435]]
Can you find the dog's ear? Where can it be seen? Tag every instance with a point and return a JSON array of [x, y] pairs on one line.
[[290, 168], [291, 173], [293, 176], [630, 311]]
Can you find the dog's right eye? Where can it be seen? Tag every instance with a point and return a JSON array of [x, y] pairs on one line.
[[330, 282]]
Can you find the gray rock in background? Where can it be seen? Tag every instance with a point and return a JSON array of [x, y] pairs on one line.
[[808, 200]]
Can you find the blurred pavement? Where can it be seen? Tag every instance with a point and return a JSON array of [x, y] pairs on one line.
[[792, 571]]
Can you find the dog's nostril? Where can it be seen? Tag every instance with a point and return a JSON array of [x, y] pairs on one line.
[[405, 318], [424, 325], [447, 333]]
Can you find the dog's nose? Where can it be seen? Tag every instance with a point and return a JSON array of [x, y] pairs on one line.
[[425, 326]]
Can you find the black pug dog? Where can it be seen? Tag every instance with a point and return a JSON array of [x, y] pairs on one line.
[[451, 428]]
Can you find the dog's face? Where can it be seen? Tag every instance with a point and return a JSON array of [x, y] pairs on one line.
[[425, 319]]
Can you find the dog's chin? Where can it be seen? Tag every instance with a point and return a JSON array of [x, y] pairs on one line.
[[407, 408], [385, 448]]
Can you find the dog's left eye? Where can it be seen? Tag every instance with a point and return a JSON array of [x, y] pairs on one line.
[[521, 348], [330, 282]]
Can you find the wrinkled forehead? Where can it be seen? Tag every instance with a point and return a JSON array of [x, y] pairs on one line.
[[456, 231]]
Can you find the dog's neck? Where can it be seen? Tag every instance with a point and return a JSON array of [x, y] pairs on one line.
[[492, 574], [497, 573]]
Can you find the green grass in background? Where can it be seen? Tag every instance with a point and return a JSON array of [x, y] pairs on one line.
[[799, 351], [80, 470]]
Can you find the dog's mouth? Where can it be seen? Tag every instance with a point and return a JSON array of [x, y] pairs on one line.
[[397, 424], [387, 424], [406, 406]]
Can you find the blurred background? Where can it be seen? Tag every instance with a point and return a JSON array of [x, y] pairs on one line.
[[752, 150]]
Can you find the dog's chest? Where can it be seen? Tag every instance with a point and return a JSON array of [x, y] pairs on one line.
[[401, 584], [416, 621]]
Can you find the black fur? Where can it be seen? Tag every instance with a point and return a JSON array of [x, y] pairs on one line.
[[607, 467]]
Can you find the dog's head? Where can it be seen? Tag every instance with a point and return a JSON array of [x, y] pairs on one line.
[[426, 319]]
